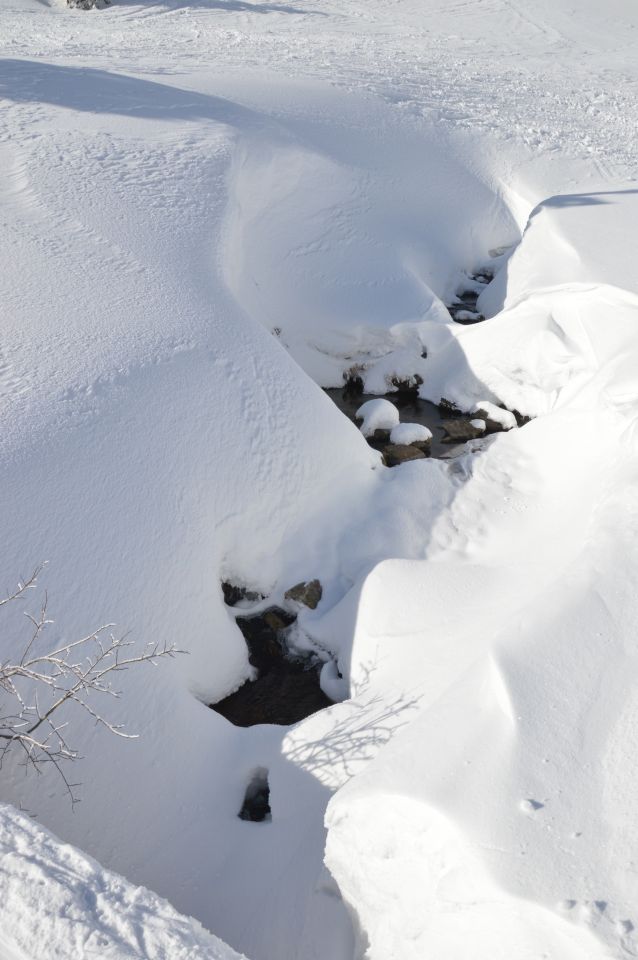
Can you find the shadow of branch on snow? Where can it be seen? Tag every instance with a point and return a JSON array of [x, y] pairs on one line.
[[360, 729]]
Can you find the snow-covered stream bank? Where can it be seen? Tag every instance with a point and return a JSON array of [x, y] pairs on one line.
[[210, 211]]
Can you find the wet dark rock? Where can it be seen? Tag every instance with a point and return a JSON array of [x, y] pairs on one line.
[[233, 593], [353, 386], [467, 317], [396, 453], [407, 388], [459, 431], [307, 593], [448, 408], [424, 445], [261, 634], [256, 805], [521, 418], [278, 619], [491, 426], [379, 436]]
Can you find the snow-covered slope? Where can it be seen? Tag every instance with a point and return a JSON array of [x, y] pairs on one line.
[[206, 209], [57, 902]]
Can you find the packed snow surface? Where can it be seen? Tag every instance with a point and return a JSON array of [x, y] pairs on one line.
[[208, 210]]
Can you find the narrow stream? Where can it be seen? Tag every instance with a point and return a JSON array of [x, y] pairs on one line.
[[412, 409], [286, 688]]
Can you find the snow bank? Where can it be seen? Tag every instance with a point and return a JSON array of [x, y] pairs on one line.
[[58, 902], [348, 268], [517, 635], [448, 903]]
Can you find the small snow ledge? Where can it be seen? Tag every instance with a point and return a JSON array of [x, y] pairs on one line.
[[58, 902]]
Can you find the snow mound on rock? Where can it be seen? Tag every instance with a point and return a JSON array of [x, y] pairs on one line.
[[407, 433], [505, 418], [377, 415]]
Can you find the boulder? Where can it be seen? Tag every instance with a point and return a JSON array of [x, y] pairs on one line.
[[234, 592], [409, 433], [459, 430], [309, 593], [448, 407], [396, 453], [496, 418]]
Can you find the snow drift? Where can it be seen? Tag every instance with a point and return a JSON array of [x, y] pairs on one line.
[[182, 246]]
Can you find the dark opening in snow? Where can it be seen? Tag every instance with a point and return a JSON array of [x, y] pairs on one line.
[[287, 687], [464, 309], [256, 805]]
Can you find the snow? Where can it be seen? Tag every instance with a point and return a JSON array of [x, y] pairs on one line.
[[410, 433], [398, 366], [505, 418], [377, 415], [207, 210], [58, 902]]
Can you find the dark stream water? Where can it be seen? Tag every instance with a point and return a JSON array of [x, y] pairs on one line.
[[287, 687], [411, 410]]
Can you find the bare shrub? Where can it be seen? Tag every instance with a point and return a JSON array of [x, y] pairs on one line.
[[35, 687]]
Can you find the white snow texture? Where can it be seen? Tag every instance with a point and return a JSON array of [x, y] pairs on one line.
[[57, 902], [209, 210]]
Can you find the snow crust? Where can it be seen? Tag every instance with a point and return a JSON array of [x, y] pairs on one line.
[[206, 211]]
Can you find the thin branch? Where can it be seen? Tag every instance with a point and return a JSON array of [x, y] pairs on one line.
[[42, 682]]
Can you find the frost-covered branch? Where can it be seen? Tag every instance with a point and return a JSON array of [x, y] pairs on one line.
[[35, 686]]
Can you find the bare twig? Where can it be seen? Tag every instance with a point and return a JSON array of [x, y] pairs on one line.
[[35, 687]]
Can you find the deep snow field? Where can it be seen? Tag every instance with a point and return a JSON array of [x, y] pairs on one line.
[[210, 209]]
